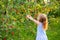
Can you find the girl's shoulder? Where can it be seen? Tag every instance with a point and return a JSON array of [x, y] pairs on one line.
[[40, 24]]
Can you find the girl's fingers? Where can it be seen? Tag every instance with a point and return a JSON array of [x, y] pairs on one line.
[[28, 15]]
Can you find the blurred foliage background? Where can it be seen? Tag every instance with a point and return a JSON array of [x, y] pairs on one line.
[[15, 26]]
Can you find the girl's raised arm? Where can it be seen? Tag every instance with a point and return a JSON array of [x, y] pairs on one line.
[[36, 21]]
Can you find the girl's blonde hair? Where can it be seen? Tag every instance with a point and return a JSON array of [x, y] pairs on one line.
[[43, 19]]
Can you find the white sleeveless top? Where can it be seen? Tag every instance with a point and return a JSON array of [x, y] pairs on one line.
[[41, 34]]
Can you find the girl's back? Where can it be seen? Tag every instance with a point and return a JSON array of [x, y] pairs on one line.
[[41, 34]]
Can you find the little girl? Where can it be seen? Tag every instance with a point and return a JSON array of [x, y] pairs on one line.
[[42, 23]]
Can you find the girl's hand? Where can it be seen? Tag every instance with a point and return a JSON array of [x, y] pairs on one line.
[[28, 16]]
